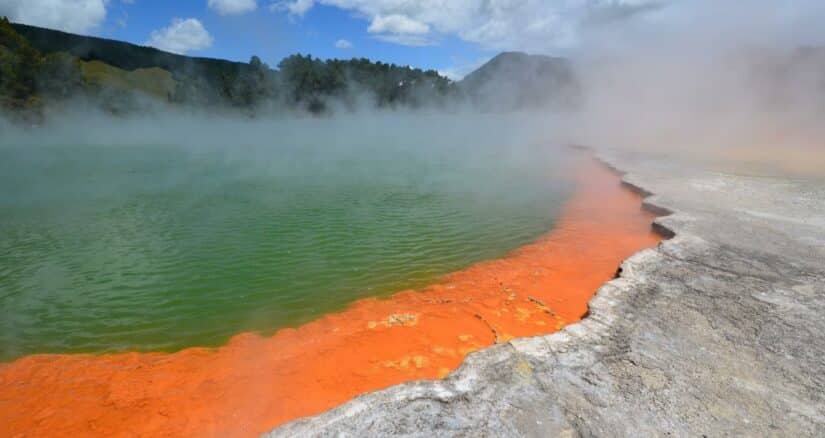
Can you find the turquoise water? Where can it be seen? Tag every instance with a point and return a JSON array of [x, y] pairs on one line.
[[163, 236]]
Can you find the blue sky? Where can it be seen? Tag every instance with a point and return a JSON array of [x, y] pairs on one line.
[[452, 36], [272, 35], [270, 32]]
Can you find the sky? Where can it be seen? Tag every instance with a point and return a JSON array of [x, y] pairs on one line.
[[451, 36]]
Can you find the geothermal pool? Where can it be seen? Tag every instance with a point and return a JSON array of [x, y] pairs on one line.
[[128, 240], [275, 253]]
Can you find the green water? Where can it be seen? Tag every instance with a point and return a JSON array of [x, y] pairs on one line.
[[132, 239]]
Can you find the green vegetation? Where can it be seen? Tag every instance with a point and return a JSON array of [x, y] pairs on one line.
[[152, 81], [28, 77], [128, 56], [307, 82], [20, 64], [198, 81], [115, 71], [38, 65]]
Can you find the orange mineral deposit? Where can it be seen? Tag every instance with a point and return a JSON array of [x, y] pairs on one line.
[[255, 383]]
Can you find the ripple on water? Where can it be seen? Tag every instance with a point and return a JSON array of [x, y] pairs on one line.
[[193, 249]]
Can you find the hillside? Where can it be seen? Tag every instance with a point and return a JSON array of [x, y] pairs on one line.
[[198, 81], [152, 81], [125, 55], [516, 80], [118, 75], [299, 82], [27, 76]]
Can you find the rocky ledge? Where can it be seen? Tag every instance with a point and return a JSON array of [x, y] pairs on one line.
[[718, 331]]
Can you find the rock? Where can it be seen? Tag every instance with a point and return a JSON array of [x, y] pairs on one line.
[[717, 331]]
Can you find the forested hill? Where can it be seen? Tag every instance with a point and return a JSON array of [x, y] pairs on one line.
[[517, 80], [120, 54], [39, 67], [128, 56], [119, 74]]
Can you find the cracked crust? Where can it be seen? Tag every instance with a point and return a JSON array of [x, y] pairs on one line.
[[717, 331]]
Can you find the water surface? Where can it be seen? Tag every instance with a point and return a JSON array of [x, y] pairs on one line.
[[159, 235]]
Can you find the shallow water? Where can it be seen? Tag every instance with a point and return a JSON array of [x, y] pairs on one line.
[[129, 240]]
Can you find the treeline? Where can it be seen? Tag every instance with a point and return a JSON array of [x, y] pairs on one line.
[[310, 82], [41, 67], [118, 75], [26, 75], [199, 81]]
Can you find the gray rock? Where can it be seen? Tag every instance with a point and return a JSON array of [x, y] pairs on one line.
[[718, 331]]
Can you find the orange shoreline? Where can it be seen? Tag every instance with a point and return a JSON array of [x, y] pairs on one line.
[[255, 383]]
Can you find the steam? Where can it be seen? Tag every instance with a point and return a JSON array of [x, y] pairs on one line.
[[731, 84], [716, 81]]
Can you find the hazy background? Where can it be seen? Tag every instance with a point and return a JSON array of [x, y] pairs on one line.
[[728, 83], [718, 81]]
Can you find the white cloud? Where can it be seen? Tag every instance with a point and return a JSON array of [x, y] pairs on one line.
[[181, 36], [233, 7], [69, 15], [397, 24], [535, 25], [293, 7], [407, 39], [343, 44], [556, 26], [400, 29]]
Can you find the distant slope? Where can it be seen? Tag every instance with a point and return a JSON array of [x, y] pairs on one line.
[[27, 76], [516, 80], [152, 81], [127, 56], [806, 69], [298, 83]]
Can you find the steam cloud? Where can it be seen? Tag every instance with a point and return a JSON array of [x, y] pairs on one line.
[[718, 81], [714, 80]]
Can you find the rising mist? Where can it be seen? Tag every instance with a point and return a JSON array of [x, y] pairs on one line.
[[716, 81]]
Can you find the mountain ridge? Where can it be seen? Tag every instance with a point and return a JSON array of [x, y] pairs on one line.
[[512, 80], [103, 68]]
